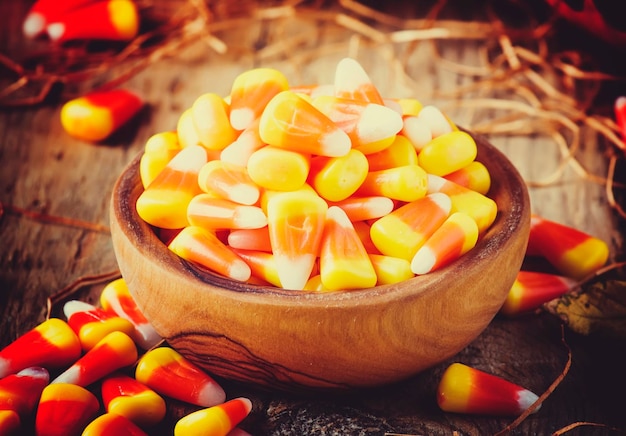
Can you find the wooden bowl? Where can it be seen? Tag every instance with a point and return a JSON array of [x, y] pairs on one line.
[[296, 340]]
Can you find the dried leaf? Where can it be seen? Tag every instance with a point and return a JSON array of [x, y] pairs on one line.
[[596, 308]]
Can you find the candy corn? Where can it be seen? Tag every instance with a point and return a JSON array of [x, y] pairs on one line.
[[106, 19], [250, 239], [435, 119], [278, 169], [417, 131], [291, 122], [447, 153], [406, 229], [112, 424], [474, 176], [572, 252], [20, 392], [96, 116], [123, 395], [365, 208], [210, 119], [214, 421], [239, 151], [43, 12], [262, 265], [10, 422], [164, 202], [92, 324], [351, 81], [455, 237], [480, 207], [250, 93], [531, 289], [217, 213], [160, 148], [203, 247], [296, 224], [116, 350], [463, 389], [167, 372], [64, 410], [52, 344], [337, 178], [344, 263], [116, 298], [405, 183], [371, 127], [228, 181], [390, 269], [400, 153]]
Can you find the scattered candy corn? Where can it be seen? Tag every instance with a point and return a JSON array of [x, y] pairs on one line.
[[43, 12], [125, 396], [52, 344], [20, 392], [116, 350], [65, 409], [92, 324], [112, 424], [167, 372], [105, 19], [531, 289], [214, 421], [464, 389], [572, 252], [96, 116], [116, 298]]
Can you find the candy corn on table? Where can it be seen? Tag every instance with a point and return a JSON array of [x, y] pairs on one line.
[[57, 175]]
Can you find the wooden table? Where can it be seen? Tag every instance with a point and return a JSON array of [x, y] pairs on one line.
[[46, 175]]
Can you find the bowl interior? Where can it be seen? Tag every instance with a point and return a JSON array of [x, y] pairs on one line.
[[294, 340]]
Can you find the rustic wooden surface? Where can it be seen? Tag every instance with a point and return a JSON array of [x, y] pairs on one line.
[[42, 170]]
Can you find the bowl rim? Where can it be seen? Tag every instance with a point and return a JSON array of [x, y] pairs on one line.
[[509, 219]]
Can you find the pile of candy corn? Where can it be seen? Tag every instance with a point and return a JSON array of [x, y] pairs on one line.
[[321, 188], [104, 371]]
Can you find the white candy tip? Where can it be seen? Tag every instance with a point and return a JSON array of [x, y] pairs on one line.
[[423, 261], [211, 395], [34, 25], [241, 118], [526, 399], [55, 30], [378, 122], [75, 306]]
